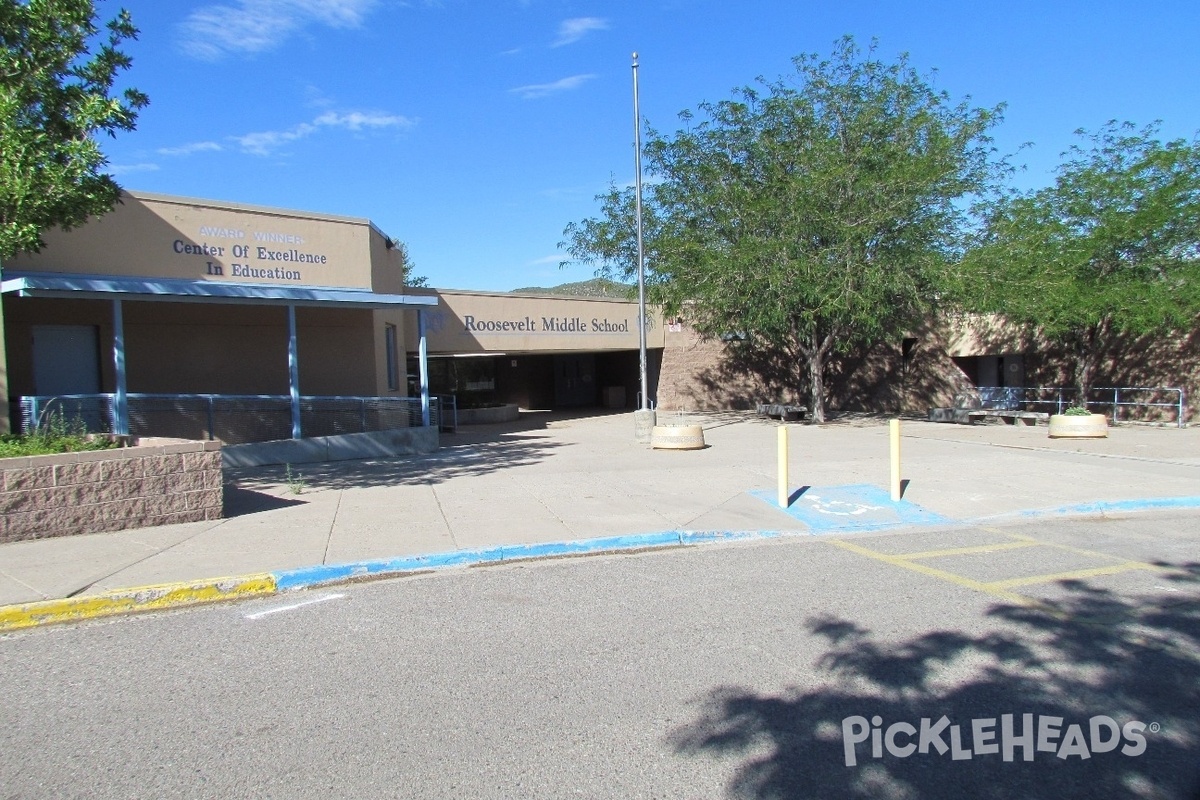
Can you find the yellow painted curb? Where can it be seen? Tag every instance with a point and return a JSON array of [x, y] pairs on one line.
[[126, 601]]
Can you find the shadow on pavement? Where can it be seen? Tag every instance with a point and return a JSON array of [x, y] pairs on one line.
[[238, 501], [471, 458], [1096, 653]]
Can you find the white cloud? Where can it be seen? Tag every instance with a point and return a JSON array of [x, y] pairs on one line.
[[536, 90], [188, 149], [129, 169], [263, 143], [255, 26], [357, 120], [555, 259], [572, 30], [314, 97]]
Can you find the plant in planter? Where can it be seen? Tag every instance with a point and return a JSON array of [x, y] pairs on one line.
[[1078, 423], [57, 436]]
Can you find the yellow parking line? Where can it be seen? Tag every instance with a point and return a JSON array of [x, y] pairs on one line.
[[1077, 574], [1001, 588], [964, 551], [1066, 548], [958, 580]]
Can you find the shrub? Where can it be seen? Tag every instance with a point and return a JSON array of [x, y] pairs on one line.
[[58, 436]]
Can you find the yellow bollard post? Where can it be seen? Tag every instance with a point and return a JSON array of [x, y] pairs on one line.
[[895, 438], [782, 469]]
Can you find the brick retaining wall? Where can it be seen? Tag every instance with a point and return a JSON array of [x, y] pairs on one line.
[[108, 490]]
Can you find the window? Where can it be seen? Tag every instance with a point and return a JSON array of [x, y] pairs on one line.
[[393, 367]]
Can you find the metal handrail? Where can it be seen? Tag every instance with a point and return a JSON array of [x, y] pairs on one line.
[[1063, 393], [34, 407]]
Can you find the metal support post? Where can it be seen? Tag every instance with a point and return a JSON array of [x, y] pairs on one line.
[[294, 371]]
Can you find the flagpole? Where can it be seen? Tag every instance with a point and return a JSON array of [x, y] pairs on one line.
[[644, 416], [641, 257]]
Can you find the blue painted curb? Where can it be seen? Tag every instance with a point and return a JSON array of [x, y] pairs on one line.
[[307, 577], [1098, 507], [895, 515], [314, 576]]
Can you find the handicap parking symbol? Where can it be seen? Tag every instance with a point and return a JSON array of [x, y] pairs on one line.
[[840, 508], [858, 507]]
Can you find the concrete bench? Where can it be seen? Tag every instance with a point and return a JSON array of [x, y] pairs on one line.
[[1010, 417], [944, 414], [964, 403], [787, 413], [969, 416]]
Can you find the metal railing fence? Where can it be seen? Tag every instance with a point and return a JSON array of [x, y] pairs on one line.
[[1109, 398], [233, 419]]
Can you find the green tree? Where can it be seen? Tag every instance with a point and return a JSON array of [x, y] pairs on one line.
[[1111, 249], [57, 75], [814, 214]]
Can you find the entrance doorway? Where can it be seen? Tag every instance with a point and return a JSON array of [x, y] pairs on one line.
[[574, 380]]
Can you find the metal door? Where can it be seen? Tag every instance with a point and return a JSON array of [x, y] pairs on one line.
[[66, 359], [574, 380]]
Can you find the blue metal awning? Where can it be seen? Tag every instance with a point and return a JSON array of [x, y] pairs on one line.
[[118, 289], [104, 287]]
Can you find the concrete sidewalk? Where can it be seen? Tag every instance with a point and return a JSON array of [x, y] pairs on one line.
[[553, 478]]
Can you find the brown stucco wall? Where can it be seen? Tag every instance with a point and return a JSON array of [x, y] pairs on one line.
[[698, 374], [218, 348], [707, 374], [518, 323], [1168, 361], [179, 237], [205, 348], [701, 374], [107, 490]]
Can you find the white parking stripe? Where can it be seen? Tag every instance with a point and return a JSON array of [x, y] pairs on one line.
[[322, 599]]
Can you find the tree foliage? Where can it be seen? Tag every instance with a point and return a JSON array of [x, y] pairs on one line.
[[814, 214], [1111, 249], [57, 75]]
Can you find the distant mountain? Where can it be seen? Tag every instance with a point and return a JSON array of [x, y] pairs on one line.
[[596, 287]]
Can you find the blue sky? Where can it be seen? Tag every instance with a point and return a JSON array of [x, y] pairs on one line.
[[475, 130]]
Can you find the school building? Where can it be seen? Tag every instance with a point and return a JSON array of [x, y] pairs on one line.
[[174, 316], [167, 309]]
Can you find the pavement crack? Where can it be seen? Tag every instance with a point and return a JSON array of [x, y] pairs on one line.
[[332, 526], [147, 557], [442, 512], [33, 589], [537, 498]]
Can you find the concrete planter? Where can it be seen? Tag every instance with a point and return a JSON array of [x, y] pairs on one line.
[[488, 416], [1093, 426], [109, 490], [677, 437]]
